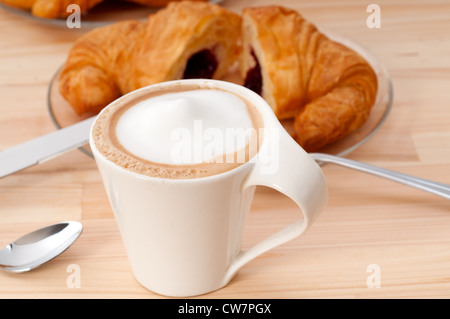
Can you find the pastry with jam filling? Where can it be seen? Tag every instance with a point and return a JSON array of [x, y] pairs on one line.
[[185, 40]]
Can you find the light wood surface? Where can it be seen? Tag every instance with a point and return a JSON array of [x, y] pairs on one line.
[[368, 220]]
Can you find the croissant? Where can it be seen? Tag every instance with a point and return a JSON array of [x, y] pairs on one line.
[[183, 40], [52, 9], [326, 87]]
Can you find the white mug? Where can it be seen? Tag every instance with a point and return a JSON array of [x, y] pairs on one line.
[[183, 236]]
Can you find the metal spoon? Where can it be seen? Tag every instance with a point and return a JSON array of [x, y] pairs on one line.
[[419, 183], [38, 247]]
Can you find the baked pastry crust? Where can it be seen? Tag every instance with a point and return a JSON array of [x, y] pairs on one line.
[[183, 29], [328, 88], [113, 60], [270, 43], [99, 66]]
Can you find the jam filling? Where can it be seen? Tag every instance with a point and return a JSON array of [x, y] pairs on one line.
[[201, 65], [253, 79]]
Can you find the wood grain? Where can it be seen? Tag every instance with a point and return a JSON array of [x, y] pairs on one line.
[[367, 221]]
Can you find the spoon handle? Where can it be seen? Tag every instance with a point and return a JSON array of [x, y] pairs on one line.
[[420, 183]]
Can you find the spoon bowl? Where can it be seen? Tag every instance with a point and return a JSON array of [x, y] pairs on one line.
[[38, 247]]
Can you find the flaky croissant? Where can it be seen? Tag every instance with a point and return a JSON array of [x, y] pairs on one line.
[[183, 40], [328, 88]]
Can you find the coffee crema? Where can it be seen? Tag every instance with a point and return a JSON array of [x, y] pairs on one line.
[[179, 132]]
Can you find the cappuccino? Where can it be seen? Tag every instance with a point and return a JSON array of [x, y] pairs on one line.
[[178, 133]]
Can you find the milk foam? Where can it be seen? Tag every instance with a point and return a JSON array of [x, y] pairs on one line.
[[156, 129]]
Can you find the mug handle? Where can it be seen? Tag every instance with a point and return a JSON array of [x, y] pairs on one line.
[[295, 174]]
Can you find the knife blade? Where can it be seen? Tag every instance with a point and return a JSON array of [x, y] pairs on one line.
[[45, 147]]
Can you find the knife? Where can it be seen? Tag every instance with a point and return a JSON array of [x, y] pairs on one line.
[[45, 147]]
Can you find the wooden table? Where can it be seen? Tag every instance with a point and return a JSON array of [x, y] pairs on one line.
[[371, 227]]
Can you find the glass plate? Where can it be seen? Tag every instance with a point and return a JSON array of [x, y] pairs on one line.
[[104, 13], [63, 115]]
